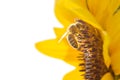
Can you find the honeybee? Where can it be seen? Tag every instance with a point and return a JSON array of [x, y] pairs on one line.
[[87, 39]]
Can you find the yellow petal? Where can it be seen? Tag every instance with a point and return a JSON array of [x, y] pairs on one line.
[[60, 50], [88, 10], [112, 8], [107, 76], [59, 32], [74, 75], [105, 49], [53, 48], [98, 9], [67, 11], [73, 57], [113, 29], [103, 9]]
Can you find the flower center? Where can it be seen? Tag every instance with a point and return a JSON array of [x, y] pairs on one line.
[[87, 39]]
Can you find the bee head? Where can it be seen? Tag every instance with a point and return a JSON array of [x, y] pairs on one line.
[[75, 28]]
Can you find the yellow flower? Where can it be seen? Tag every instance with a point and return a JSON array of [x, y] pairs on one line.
[[103, 15]]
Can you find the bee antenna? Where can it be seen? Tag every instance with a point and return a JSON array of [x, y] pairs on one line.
[[62, 37]]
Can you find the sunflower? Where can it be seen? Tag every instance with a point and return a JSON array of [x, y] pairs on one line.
[[104, 16]]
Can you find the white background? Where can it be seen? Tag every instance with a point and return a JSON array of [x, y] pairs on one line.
[[22, 24]]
